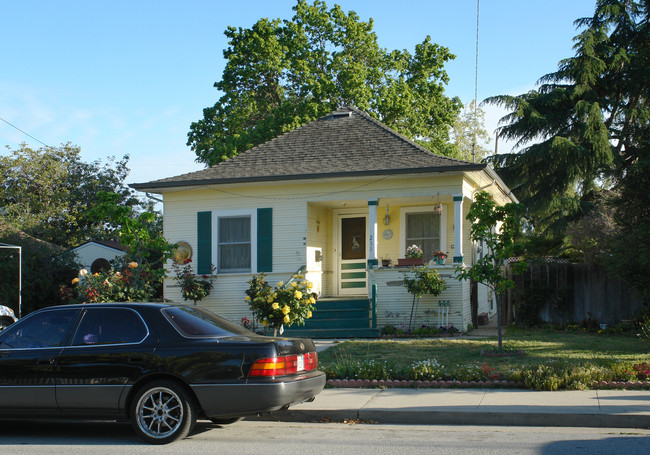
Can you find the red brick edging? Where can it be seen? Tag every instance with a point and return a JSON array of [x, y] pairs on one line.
[[367, 383]]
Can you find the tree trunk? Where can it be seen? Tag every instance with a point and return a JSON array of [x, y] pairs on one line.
[[499, 299]]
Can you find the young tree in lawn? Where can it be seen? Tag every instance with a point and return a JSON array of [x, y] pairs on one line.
[[495, 228]]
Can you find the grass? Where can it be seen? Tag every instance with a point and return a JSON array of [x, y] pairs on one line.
[[559, 354]]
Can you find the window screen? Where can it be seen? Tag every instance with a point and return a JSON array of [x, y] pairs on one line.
[[235, 244], [423, 230]]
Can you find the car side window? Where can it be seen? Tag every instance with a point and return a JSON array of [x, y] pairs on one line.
[[110, 326], [41, 330]]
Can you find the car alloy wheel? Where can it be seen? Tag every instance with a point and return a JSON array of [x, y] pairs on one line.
[[162, 412]]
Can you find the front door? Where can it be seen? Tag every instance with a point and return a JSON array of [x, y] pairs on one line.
[[352, 255]]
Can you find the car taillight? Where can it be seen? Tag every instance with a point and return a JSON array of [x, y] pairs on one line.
[[311, 361], [279, 366]]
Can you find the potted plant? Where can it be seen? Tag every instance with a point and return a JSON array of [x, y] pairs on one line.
[[439, 256], [414, 256]]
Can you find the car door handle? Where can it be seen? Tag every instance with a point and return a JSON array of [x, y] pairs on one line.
[[137, 359]]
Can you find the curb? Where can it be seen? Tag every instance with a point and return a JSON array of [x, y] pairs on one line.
[[413, 417]]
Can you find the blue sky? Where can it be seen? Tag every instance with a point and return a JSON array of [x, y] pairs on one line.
[[128, 77]]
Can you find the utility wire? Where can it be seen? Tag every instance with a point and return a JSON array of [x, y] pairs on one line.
[[475, 87], [25, 133]]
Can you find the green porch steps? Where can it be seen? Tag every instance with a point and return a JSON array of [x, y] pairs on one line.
[[337, 318]]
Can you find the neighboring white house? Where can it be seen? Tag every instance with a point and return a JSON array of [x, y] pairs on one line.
[[343, 196], [96, 255]]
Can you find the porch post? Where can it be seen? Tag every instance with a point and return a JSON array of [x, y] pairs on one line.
[[458, 229], [372, 233], [372, 258]]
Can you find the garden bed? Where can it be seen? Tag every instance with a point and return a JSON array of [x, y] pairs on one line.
[[532, 360]]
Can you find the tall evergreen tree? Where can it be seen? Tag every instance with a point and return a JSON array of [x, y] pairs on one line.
[[586, 127], [282, 74]]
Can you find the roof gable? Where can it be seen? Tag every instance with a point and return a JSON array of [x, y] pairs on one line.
[[346, 142]]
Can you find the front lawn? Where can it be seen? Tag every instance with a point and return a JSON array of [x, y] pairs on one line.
[[550, 361]]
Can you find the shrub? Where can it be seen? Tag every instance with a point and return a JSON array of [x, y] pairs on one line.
[[192, 288], [286, 304], [426, 370]]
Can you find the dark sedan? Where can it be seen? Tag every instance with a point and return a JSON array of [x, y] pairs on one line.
[[160, 365]]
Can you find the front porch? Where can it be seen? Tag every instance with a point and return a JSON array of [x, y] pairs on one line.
[[363, 317]]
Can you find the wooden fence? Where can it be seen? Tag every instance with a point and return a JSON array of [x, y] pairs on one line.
[[562, 293]]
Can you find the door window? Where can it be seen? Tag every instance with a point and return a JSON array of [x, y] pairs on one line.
[[353, 238], [110, 326], [41, 330]]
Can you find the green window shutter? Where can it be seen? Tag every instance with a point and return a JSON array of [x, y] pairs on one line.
[[264, 240], [204, 242]]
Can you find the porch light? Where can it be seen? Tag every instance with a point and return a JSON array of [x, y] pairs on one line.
[[437, 207], [387, 217]]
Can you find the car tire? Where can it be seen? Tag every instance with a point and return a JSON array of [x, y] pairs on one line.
[[226, 421], [162, 412]]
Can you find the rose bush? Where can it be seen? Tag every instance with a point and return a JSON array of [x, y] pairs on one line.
[[127, 281], [285, 304]]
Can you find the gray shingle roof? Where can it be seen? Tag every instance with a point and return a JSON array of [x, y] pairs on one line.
[[346, 142]]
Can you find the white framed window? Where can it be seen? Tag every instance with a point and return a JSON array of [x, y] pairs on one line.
[[235, 232], [422, 227]]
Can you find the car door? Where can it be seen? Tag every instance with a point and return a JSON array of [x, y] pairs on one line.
[[109, 351], [28, 353]]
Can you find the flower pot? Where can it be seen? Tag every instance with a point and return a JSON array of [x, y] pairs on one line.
[[410, 262], [440, 261]]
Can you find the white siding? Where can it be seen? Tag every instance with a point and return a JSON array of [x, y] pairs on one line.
[[394, 303], [303, 224]]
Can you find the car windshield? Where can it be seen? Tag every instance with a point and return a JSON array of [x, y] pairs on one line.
[[196, 322]]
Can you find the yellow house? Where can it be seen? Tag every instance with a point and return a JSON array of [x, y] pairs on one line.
[[343, 196]]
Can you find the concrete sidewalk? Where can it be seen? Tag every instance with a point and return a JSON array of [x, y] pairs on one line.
[[590, 408]]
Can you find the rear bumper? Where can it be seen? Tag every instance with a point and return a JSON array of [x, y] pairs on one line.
[[236, 400]]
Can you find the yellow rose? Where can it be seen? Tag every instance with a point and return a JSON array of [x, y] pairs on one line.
[[300, 276], [265, 323], [298, 294], [286, 319], [83, 272], [286, 309], [133, 265], [294, 284], [247, 298], [309, 314], [75, 280], [312, 300], [280, 284], [275, 305], [269, 299]]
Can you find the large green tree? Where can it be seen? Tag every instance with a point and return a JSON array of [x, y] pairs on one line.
[[282, 74], [585, 128], [468, 135], [47, 193]]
